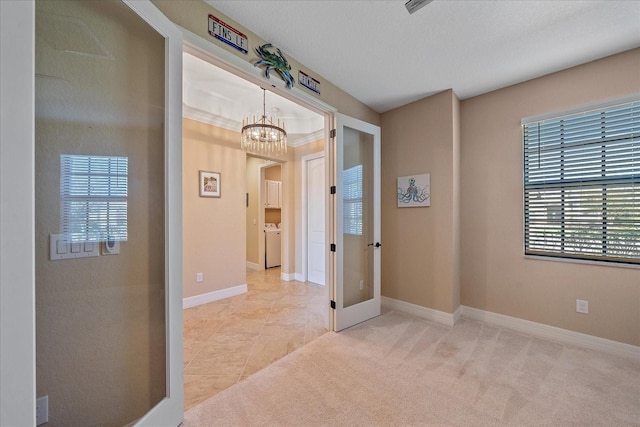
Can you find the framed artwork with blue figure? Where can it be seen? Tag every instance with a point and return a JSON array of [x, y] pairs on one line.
[[414, 191]]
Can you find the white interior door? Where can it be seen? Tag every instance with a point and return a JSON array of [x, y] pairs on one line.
[[356, 222], [315, 221], [108, 79]]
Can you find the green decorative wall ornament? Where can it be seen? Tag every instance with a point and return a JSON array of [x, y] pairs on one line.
[[275, 62]]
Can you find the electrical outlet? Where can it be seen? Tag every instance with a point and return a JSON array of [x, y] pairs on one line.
[[582, 306], [199, 277], [361, 284], [42, 410]]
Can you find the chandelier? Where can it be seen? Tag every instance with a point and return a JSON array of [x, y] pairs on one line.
[[263, 136]]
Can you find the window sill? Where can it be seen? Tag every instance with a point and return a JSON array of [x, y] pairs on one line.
[[583, 261]]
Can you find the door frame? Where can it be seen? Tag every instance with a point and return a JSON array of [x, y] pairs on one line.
[[17, 214], [261, 198], [304, 222]]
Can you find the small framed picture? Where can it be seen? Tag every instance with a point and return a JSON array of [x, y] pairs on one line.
[[209, 184], [414, 191]]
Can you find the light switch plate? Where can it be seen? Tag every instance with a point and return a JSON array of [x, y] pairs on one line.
[[60, 248]]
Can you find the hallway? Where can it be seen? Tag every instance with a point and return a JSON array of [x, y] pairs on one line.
[[225, 341]]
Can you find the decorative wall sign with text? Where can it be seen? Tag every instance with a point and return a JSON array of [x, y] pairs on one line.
[[227, 34], [309, 82]]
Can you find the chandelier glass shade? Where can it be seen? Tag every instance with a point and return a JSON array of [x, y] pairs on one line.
[[263, 135]]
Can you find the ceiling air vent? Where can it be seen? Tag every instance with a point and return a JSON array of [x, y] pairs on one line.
[[414, 5]]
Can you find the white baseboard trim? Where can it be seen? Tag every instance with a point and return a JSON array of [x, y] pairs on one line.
[[213, 296], [253, 266], [426, 313], [287, 277], [551, 332], [520, 325], [299, 277]]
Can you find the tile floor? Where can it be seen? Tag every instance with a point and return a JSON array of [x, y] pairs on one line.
[[225, 341]]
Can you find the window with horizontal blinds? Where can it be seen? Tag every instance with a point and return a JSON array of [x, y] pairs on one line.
[[582, 185], [93, 197], [352, 200]]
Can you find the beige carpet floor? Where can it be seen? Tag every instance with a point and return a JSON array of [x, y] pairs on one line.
[[397, 370]]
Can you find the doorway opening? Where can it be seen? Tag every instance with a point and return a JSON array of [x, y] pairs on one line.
[[265, 205], [250, 308]]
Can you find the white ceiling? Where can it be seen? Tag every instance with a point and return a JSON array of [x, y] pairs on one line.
[[385, 57], [215, 96]]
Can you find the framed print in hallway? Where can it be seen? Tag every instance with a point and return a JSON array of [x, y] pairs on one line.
[[209, 184]]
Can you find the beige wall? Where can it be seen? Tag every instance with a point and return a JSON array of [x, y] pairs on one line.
[[100, 334], [419, 258], [230, 239], [273, 216], [495, 275], [273, 173], [467, 247], [287, 213], [214, 229], [192, 15]]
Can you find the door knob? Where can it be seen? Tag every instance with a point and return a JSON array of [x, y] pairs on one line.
[[377, 244]]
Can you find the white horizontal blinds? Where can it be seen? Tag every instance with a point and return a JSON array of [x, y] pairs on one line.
[[352, 200], [582, 185], [93, 193]]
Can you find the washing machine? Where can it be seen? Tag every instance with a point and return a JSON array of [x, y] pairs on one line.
[[273, 245]]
